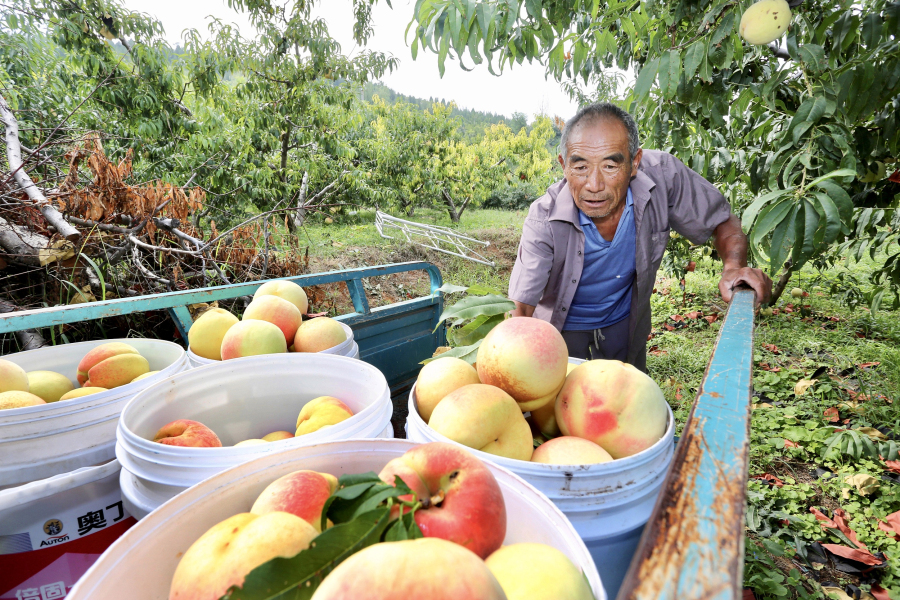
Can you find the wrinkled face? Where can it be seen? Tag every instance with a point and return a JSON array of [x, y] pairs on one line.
[[598, 167]]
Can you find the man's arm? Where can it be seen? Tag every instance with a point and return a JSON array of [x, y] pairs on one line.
[[521, 310], [731, 244]]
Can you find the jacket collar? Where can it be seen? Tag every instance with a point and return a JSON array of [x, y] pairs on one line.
[[564, 209]]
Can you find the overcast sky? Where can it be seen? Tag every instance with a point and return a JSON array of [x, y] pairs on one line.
[[522, 89]]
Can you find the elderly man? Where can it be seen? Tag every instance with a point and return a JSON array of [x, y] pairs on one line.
[[591, 246]]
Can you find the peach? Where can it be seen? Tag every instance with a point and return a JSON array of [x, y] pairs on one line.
[[49, 385], [321, 412], [278, 312], [288, 290], [251, 338], [765, 21], [99, 354], [614, 405], [12, 377], [532, 571], [250, 442], [189, 434], [570, 450], [224, 555], [440, 377], [526, 358], [205, 335], [463, 501], [319, 334], [427, 568], [144, 376], [84, 391], [301, 493], [545, 416], [485, 418], [117, 370], [277, 436], [18, 399]]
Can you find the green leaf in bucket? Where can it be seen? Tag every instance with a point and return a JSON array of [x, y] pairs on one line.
[[297, 578]]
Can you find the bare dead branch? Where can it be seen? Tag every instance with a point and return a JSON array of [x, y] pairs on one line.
[[14, 155]]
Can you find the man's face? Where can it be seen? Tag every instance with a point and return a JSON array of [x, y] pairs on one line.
[[599, 168]]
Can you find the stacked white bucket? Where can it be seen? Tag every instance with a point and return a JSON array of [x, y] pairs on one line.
[[58, 459], [346, 348], [608, 503], [144, 560], [240, 399]]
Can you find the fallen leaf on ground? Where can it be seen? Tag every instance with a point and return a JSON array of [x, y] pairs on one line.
[[770, 478], [836, 592], [839, 522], [711, 319], [893, 466], [677, 318], [872, 433], [788, 309], [891, 525], [879, 592], [693, 314], [868, 364], [864, 484], [772, 348], [801, 386], [865, 557], [831, 415], [790, 444], [761, 405]]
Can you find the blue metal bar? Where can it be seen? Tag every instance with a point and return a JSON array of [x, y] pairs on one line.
[[358, 295], [693, 545], [57, 315]]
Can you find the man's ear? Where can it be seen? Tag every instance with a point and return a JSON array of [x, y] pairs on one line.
[[562, 161], [636, 162]]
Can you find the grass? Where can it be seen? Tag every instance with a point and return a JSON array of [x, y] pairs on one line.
[[792, 435]]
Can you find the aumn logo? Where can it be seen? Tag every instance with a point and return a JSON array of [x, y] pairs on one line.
[[53, 527]]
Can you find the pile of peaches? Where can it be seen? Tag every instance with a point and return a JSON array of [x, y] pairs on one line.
[[523, 400], [320, 412], [272, 324], [105, 367], [460, 512]]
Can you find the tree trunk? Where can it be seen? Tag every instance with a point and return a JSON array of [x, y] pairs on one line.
[[295, 219], [455, 214], [17, 168], [782, 282]]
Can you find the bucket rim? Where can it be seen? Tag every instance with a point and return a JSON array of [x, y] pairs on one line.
[[542, 469], [50, 486], [131, 441], [100, 398], [182, 502]]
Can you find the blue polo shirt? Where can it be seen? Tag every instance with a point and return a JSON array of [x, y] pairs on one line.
[[603, 296]]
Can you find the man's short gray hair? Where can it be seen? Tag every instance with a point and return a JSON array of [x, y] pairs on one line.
[[602, 110]]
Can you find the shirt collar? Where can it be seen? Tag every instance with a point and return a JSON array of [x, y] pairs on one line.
[[584, 220]]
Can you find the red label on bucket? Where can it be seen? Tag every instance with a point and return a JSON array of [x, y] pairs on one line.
[[50, 573]]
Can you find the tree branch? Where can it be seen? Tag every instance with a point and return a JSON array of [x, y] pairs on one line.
[[14, 155]]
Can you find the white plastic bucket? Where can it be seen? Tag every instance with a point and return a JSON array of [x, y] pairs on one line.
[[144, 560], [37, 442], [52, 530], [346, 348], [608, 503], [240, 400]]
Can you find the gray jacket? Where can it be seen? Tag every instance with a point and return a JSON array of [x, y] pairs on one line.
[[667, 195]]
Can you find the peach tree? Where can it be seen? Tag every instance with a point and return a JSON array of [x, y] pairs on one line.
[[801, 134]]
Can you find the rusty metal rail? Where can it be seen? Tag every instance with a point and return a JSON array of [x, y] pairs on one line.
[[693, 545]]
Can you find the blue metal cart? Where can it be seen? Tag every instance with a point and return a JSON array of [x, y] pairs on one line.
[[693, 545]]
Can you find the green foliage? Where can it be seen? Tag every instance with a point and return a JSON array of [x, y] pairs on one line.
[[471, 319], [792, 139]]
